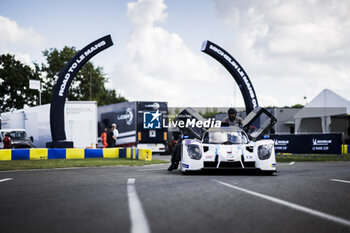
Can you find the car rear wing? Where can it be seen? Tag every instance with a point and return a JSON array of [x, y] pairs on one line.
[[258, 123]]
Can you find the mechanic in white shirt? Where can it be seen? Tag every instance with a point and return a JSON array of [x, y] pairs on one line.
[[115, 132]]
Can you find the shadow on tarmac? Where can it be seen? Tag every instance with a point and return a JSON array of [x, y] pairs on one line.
[[229, 172]]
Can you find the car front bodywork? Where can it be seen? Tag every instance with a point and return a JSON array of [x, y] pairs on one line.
[[245, 154]]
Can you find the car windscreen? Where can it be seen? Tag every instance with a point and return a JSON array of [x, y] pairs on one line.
[[221, 137], [18, 135]]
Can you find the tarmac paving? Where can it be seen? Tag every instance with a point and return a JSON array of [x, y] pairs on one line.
[[301, 197]]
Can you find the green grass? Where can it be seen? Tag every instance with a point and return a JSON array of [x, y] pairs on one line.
[[65, 163], [311, 158]]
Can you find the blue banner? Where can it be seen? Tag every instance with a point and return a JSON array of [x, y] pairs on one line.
[[329, 143]]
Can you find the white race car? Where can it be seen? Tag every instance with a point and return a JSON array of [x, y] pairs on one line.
[[230, 147]]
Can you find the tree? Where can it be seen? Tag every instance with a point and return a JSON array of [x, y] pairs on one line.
[[14, 89], [295, 106], [88, 84], [55, 62]]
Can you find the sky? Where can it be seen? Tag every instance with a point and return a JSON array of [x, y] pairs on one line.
[[290, 49]]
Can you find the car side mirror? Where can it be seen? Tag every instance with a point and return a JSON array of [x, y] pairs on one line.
[[31, 138]]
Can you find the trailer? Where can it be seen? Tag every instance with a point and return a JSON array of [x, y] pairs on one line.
[[140, 124], [80, 123]]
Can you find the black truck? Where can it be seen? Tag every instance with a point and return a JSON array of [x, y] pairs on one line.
[[140, 124]]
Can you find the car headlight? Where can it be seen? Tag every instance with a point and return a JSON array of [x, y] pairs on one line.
[[194, 152], [264, 151]]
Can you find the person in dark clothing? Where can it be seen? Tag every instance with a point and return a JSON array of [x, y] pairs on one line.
[[176, 155], [110, 138], [232, 119]]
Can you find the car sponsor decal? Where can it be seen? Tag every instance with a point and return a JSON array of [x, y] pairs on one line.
[[185, 165]]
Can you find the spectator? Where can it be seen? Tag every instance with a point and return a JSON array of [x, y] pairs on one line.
[[7, 141]]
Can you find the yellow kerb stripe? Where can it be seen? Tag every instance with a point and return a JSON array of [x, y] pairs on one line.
[[5, 155], [128, 153], [38, 154], [111, 153], [145, 154], [133, 153], [75, 153]]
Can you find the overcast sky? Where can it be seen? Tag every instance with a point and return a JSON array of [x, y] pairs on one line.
[[289, 48]]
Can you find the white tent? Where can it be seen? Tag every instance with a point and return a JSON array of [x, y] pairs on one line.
[[317, 115]]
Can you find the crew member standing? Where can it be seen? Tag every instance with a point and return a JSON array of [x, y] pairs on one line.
[[176, 153], [115, 133], [232, 119], [104, 138], [7, 141], [110, 138]]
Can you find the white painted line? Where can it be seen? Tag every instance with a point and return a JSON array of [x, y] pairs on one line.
[[291, 163], [131, 181], [343, 181], [291, 205], [6, 179], [138, 218]]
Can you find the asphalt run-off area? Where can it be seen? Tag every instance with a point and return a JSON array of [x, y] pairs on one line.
[[300, 197]]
